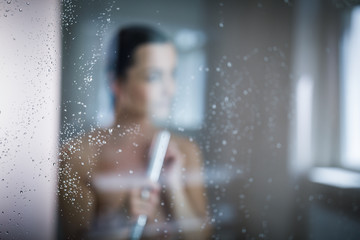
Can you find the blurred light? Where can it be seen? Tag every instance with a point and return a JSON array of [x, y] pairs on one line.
[[187, 39], [336, 177], [351, 94], [304, 94]]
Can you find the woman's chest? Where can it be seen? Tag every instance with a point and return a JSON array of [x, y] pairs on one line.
[[123, 157]]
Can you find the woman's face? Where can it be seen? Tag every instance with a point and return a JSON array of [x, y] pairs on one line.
[[149, 85]]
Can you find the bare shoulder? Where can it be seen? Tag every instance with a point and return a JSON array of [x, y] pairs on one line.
[[80, 153], [189, 148], [186, 143], [84, 141]]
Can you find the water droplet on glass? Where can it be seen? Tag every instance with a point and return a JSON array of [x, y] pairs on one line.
[[89, 79], [221, 25], [131, 171], [229, 64], [20, 10]]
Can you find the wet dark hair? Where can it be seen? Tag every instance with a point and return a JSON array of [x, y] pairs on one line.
[[124, 44]]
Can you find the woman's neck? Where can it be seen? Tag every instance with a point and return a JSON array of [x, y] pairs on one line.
[[126, 120]]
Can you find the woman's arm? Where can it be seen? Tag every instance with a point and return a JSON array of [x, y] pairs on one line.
[[187, 192], [76, 199]]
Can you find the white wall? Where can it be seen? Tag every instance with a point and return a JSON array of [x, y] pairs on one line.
[[29, 100]]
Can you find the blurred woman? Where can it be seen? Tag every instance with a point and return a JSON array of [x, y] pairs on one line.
[[103, 173]]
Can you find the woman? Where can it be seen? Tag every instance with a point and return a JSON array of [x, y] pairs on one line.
[[102, 174]]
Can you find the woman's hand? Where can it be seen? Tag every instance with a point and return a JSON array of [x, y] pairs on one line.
[[144, 200], [173, 167], [139, 194]]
